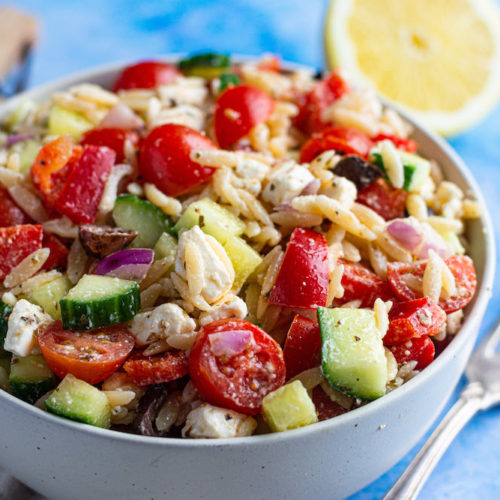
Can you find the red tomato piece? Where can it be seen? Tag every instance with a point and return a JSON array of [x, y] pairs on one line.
[[419, 349], [113, 138], [237, 110], [51, 158], [462, 268], [10, 213], [325, 407], [146, 75], [348, 140], [16, 243], [165, 367], [322, 95], [165, 161], [303, 278], [234, 364], [389, 202], [58, 252], [360, 283], [90, 356], [302, 346], [82, 191], [414, 318], [409, 145]]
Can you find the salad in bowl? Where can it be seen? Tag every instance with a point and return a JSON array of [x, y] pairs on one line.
[[213, 249]]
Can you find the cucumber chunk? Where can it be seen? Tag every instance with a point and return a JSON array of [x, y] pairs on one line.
[[289, 407], [206, 66], [227, 80], [77, 400], [243, 257], [30, 377], [48, 296], [166, 246], [5, 311], [352, 352], [64, 121], [99, 301], [453, 242], [27, 151], [416, 169], [212, 218], [130, 212]]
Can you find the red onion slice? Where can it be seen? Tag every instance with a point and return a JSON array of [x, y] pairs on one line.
[[15, 138], [311, 188], [121, 116], [405, 234], [230, 343], [132, 264]]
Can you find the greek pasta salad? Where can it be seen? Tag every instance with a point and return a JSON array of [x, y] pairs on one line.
[[213, 249]]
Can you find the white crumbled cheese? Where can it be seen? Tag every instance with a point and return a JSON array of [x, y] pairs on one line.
[[160, 323], [209, 421], [230, 306], [25, 321], [286, 182]]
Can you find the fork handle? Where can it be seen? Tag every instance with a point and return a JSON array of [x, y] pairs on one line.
[[409, 484]]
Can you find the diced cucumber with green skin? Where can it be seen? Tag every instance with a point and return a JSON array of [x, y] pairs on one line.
[[227, 79], [48, 296], [289, 407], [131, 212], [77, 400], [99, 301], [166, 246], [5, 311], [21, 112], [352, 352], [212, 218], [416, 169], [206, 66], [30, 377], [243, 257], [64, 121], [27, 151]]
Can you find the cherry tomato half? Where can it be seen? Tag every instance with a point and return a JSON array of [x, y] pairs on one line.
[[10, 213], [234, 364], [460, 266], [409, 145], [90, 356], [165, 367], [237, 110], [146, 75], [325, 407], [344, 139], [389, 202], [113, 138], [419, 349], [164, 158]]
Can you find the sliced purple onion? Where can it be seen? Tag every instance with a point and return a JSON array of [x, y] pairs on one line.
[[311, 188], [230, 343], [132, 264], [15, 138], [121, 116], [405, 234]]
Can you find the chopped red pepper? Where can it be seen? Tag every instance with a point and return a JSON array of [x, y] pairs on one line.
[[16, 243], [360, 283], [10, 213], [58, 252], [419, 349], [303, 277], [81, 194], [409, 145], [414, 318], [389, 202], [302, 346]]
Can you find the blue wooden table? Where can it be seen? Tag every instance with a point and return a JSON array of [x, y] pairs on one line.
[[78, 35]]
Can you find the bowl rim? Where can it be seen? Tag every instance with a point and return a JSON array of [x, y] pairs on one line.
[[473, 317]]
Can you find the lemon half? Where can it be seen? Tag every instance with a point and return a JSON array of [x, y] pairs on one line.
[[439, 59]]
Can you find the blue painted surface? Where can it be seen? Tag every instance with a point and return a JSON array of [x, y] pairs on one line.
[[78, 35]]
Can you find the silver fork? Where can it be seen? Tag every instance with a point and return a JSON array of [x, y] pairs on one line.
[[481, 393]]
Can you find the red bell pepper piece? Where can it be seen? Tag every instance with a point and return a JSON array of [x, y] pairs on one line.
[[389, 202], [302, 346], [10, 213], [362, 284], [409, 145], [303, 277], [419, 349], [414, 318], [58, 252], [16, 243], [81, 194]]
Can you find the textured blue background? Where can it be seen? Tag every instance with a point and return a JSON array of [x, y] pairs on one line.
[[78, 35]]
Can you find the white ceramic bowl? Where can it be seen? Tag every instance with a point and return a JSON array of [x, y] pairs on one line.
[[329, 460]]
